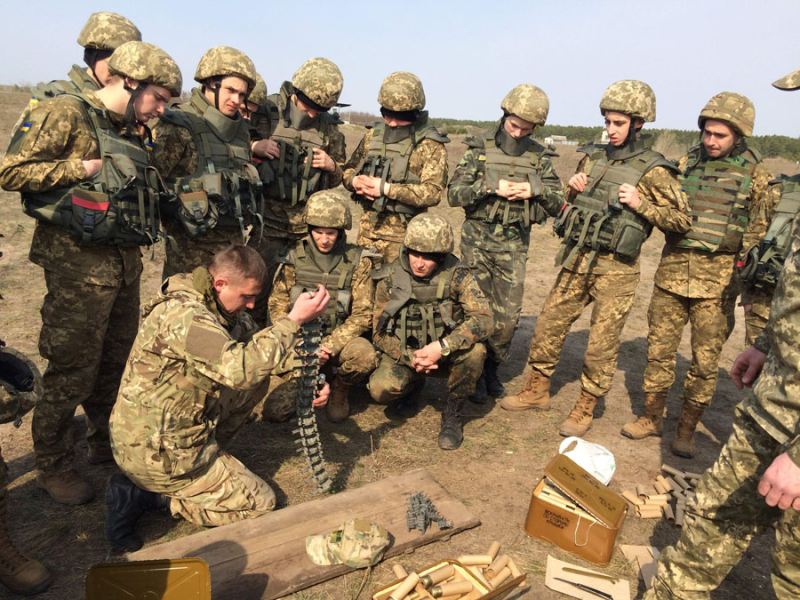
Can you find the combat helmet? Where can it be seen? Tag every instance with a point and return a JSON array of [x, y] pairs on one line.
[[259, 93], [735, 109], [321, 81], [429, 234], [223, 61], [789, 82], [108, 31], [401, 92], [327, 209], [146, 63], [630, 97], [527, 102], [20, 385]]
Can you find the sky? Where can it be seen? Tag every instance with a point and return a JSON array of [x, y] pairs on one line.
[[468, 54]]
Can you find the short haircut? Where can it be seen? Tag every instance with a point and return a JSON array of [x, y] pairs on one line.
[[238, 261]]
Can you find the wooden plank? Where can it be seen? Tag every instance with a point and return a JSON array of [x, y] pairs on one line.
[[266, 557]]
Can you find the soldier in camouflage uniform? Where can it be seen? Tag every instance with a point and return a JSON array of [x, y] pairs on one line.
[[761, 458], [696, 281], [399, 168], [300, 152], [325, 257], [202, 148], [198, 367], [82, 168], [430, 318], [620, 192], [505, 183]]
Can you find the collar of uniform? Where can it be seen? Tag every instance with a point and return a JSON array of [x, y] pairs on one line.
[[631, 149], [204, 284], [509, 145]]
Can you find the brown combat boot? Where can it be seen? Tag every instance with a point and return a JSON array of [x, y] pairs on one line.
[[66, 487], [338, 407], [535, 394], [20, 574], [683, 443], [99, 455], [580, 418], [651, 422]]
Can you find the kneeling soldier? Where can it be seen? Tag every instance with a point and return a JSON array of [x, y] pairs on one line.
[[430, 316]]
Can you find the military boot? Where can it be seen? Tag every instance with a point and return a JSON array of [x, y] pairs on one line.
[[580, 418], [99, 455], [535, 394], [452, 432], [125, 503], [338, 407], [20, 574], [652, 420], [683, 443], [493, 386], [480, 395], [66, 487], [407, 407]]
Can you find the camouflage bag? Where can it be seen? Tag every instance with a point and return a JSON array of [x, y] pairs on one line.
[[20, 385], [358, 543]]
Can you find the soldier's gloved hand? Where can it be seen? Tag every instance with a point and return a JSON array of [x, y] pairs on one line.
[[322, 396], [628, 194], [578, 182], [780, 484], [747, 367], [309, 305], [324, 354], [266, 149], [92, 166], [322, 161]]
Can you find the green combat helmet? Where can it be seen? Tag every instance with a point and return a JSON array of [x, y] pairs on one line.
[[401, 92], [527, 102], [259, 93], [20, 385], [630, 97], [327, 209], [320, 80], [358, 543], [223, 61], [790, 82], [108, 31], [146, 63], [735, 109], [429, 234]]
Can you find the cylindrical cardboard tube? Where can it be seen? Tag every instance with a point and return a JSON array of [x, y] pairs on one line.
[[496, 566], [504, 574], [658, 497], [690, 475], [660, 488], [402, 590], [472, 560], [643, 490], [682, 482], [632, 498], [437, 576], [475, 572], [648, 512], [656, 502], [671, 470], [452, 589], [674, 485], [668, 513], [493, 550], [399, 571], [515, 572], [679, 517], [662, 480]]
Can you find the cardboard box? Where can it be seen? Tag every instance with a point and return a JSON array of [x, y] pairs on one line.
[[573, 510]]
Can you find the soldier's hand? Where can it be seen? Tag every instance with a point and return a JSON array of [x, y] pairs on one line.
[[324, 354], [578, 182], [504, 188], [747, 308], [747, 367], [628, 194], [266, 149], [427, 358], [371, 187], [322, 396], [520, 191], [322, 161], [309, 305], [780, 484], [92, 166]]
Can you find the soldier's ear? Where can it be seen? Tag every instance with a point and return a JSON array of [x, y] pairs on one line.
[[220, 283]]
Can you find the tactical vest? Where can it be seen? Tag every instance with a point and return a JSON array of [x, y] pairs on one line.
[[117, 206], [225, 189], [390, 162], [499, 165], [595, 218], [338, 280], [774, 245], [719, 200], [420, 312]]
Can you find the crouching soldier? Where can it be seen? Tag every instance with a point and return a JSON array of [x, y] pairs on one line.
[[326, 258], [196, 371], [430, 318]]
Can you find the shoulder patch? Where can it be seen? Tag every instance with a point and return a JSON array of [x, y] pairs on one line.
[[205, 342]]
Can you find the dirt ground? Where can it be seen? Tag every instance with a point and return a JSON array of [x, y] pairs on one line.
[[502, 457]]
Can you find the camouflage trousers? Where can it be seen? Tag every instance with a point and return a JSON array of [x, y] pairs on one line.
[[186, 254], [757, 317], [387, 249], [269, 248], [501, 277], [726, 514], [392, 380], [712, 320], [612, 295], [87, 333], [356, 360]]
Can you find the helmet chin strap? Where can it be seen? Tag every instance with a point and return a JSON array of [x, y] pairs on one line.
[[131, 121]]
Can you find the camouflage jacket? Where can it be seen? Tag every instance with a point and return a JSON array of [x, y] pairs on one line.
[[698, 274], [428, 161], [48, 153], [464, 291], [164, 421], [759, 224]]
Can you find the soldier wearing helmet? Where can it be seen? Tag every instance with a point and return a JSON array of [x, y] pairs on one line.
[[430, 318], [202, 148], [754, 486], [300, 153], [505, 182], [325, 257], [399, 168], [621, 190], [254, 109], [696, 281], [82, 167]]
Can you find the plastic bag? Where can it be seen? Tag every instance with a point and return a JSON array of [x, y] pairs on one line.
[[591, 457]]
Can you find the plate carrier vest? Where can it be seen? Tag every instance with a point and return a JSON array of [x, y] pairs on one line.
[[774, 245]]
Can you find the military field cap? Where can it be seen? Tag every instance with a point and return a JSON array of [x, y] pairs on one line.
[[358, 543], [108, 31], [789, 82]]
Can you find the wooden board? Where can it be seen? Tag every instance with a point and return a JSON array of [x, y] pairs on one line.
[[266, 557]]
